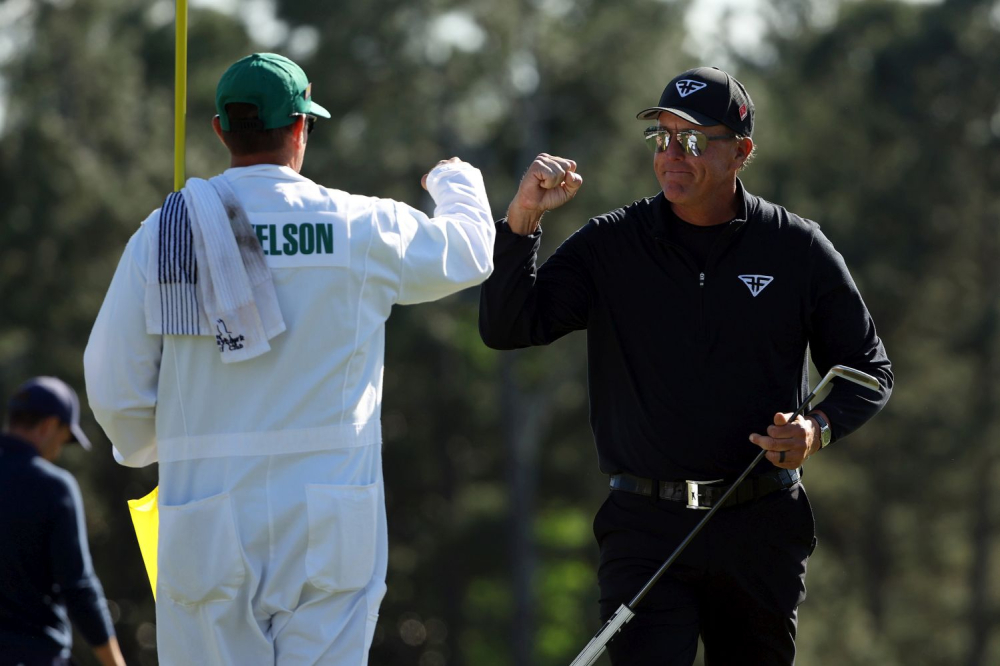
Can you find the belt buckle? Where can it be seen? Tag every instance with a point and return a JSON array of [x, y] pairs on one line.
[[694, 494]]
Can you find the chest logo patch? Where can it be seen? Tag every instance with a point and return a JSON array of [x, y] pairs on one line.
[[756, 283]]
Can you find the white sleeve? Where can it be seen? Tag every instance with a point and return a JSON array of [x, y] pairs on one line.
[[452, 250], [122, 362]]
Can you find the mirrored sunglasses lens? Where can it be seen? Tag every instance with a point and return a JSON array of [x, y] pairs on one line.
[[694, 142], [657, 142]]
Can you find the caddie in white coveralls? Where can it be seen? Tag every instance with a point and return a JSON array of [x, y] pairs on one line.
[[273, 542]]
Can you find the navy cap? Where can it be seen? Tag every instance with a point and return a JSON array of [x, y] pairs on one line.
[[51, 396], [706, 96]]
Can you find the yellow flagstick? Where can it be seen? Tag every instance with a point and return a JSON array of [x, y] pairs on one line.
[[145, 511], [180, 92]]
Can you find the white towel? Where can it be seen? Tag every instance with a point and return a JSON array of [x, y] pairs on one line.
[[212, 278]]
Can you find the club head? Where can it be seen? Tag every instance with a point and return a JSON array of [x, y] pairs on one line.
[[856, 376], [850, 374]]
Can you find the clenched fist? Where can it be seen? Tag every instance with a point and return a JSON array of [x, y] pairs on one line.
[[548, 183], [423, 179]]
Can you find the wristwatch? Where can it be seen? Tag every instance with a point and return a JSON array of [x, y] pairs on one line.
[[825, 434]]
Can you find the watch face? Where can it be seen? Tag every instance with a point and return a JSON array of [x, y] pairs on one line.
[[825, 434]]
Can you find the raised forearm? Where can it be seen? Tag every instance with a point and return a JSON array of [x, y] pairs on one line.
[[109, 654]]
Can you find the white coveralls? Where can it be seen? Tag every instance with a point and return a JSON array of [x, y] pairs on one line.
[[273, 542]]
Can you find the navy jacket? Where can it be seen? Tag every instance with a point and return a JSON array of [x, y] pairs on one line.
[[46, 575], [684, 364]]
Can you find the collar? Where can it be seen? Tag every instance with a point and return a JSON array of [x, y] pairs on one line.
[[743, 209], [662, 213], [9, 444], [275, 171]]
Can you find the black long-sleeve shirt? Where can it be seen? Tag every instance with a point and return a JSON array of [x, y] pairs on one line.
[[46, 574], [684, 363]]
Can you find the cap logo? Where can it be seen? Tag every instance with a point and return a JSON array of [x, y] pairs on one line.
[[743, 112], [308, 91], [686, 86]]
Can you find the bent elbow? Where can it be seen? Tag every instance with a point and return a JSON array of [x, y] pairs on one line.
[[495, 338]]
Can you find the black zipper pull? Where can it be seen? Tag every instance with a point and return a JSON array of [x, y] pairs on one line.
[[701, 279]]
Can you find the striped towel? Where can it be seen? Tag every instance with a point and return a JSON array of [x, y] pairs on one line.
[[212, 278]]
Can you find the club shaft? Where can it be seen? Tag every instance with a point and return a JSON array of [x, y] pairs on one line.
[[722, 500], [598, 643]]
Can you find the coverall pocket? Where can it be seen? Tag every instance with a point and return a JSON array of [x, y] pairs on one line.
[[199, 556], [342, 535]]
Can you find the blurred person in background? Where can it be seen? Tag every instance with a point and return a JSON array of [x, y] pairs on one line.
[[47, 578], [265, 421], [699, 304]]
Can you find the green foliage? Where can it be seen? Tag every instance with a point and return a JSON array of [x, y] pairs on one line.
[[885, 129], [881, 123]]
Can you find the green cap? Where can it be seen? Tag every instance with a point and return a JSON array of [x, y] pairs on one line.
[[274, 84]]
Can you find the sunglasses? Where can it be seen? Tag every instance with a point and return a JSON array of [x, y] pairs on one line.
[[310, 121], [693, 142]]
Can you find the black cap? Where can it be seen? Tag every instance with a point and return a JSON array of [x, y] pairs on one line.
[[51, 396], [706, 96]]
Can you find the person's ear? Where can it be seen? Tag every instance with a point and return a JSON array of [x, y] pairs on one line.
[[744, 147], [217, 126], [301, 129]]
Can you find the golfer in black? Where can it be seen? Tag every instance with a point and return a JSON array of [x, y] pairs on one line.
[[47, 578], [701, 305]]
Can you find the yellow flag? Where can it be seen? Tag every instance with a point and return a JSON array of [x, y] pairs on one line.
[[146, 519]]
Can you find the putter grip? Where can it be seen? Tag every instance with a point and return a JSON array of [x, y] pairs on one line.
[[595, 648]]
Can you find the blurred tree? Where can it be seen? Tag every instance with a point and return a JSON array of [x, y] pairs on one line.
[[878, 119], [883, 124]]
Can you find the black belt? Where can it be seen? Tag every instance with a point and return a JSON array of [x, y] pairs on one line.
[[705, 494]]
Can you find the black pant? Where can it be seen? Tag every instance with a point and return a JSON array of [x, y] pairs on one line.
[[738, 584]]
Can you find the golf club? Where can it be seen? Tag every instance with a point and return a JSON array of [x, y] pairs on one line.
[[595, 648]]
